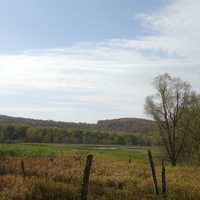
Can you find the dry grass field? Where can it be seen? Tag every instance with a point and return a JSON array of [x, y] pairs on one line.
[[59, 177]]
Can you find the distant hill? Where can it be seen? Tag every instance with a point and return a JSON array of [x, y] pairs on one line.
[[43, 123], [129, 125]]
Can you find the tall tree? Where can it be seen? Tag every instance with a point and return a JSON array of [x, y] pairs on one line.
[[191, 124], [167, 107]]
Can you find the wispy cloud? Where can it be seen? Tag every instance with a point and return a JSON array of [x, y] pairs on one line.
[[89, 81], [177, 28]]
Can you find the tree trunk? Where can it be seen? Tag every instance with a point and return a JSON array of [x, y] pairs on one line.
[[173, 162]]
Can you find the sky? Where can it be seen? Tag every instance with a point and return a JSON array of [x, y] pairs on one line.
[[88, 60]]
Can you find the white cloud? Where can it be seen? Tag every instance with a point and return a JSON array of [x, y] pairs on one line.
[[177, 26], [90, 81]]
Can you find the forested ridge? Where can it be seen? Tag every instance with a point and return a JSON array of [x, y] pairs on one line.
[[129, 125], [104, 132]]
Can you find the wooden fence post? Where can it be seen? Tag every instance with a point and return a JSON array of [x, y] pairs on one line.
[[153, 172], [130, 160], [86, 177], [23, 168], [164, 185]]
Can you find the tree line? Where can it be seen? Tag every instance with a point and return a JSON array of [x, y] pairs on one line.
[[13, 133]]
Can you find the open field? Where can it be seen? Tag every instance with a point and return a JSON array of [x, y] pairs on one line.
[[114, 151], [54, 172]]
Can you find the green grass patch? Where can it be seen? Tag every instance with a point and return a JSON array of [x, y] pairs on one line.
[[112, 151], [30, 149]]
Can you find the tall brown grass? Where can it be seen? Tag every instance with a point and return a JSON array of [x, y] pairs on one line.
[[60, 178]]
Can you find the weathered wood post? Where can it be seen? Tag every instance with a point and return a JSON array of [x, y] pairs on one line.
[[130, 160], [86, 177], [153, 172], [164, 185], [23, 169]]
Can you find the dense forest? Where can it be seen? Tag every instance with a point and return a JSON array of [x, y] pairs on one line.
[[12, 133]]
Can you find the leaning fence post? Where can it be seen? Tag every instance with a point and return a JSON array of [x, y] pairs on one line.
[[86, 177], [164, 185], [23, 168], [153, 172]]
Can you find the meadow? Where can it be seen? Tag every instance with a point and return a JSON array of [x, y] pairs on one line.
[[55, 171]]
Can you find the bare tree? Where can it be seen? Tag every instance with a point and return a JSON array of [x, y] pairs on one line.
[[167, 107]]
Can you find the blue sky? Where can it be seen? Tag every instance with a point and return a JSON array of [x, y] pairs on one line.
[[93, 59], [50, 24]]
